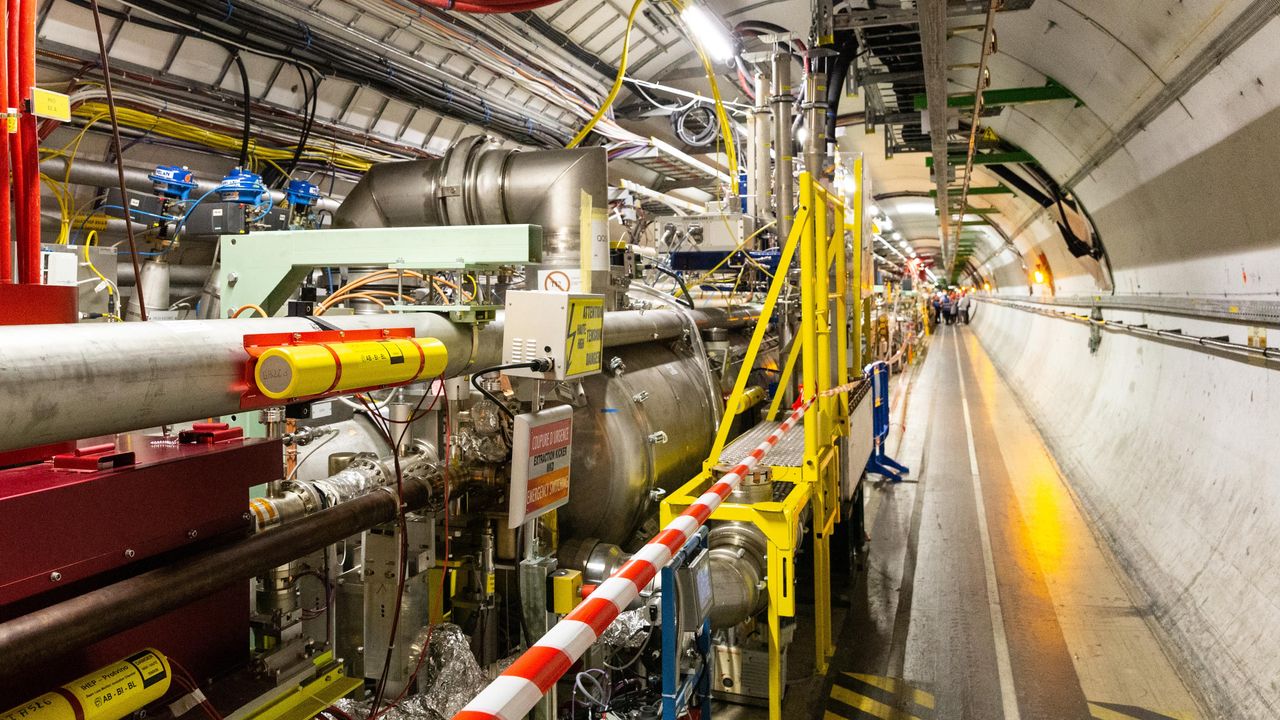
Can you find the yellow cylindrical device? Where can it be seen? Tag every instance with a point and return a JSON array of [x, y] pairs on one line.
[[292, 371], [111, 693]]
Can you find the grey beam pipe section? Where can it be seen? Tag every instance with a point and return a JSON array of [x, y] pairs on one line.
[[65, 382], [933, 35], [99, 614], [761, 141], [101, 174], [783, 182]]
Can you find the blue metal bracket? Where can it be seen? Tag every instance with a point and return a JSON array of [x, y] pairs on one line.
[[677, 690], [879, 462]]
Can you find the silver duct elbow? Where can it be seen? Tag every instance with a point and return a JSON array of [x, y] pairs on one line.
[[476, 183]]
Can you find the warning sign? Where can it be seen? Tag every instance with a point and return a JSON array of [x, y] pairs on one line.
[[540, 457], [584, 346]]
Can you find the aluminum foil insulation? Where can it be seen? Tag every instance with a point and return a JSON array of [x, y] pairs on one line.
[[629, 630], [448, 679]]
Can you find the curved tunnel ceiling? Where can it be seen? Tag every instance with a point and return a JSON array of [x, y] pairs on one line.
[[1122, 61]]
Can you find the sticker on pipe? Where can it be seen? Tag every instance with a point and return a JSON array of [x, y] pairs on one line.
[[540, 456]]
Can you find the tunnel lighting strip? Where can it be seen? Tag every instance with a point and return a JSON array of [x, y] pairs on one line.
[[519, 688]]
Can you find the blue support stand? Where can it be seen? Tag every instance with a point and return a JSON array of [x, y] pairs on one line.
[[879, 462], [679, 690]]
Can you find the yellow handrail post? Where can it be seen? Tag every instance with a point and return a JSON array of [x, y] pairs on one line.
[[808, 320], [842, 318]]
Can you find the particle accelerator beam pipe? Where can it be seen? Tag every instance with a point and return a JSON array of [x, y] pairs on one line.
[[101, 613], [66, 382]]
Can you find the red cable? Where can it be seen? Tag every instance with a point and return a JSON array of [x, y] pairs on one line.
[[29, 210], [6, 247], [492, 6], [12, 100]]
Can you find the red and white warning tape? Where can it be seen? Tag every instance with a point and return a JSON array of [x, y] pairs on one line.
[[515, 692]]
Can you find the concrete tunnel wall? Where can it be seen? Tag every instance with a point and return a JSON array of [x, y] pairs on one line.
[[1173, 452]]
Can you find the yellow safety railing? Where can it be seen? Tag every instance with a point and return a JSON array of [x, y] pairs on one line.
[[827, 345]]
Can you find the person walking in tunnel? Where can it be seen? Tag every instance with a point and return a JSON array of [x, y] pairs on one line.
[[948, 308], [935, 310], [962, 308]]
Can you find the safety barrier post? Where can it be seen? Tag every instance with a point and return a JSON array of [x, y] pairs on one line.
[[880, 462]]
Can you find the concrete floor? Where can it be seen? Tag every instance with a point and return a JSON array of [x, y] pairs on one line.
[[985, 594]]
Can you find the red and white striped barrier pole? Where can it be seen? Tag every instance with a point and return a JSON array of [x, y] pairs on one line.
[[518, 689]]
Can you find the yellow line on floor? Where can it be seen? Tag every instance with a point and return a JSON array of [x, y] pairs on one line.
[[867, 705], [893, 685]]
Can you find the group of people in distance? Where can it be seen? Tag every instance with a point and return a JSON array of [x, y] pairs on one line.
[[950, 306]]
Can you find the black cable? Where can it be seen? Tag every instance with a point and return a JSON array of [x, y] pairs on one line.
[[684, 298], [309, 97], [541, 365], [248, 113]]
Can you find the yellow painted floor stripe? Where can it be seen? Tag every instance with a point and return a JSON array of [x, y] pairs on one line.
[[888, 684], [866, 704], [832, 716], [1101, 713]]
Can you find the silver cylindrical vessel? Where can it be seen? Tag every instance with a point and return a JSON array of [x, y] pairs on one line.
[[648, 426], [75, 381]]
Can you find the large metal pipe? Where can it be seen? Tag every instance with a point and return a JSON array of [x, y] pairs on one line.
[[783, 183], [99, 614], [63, 382], [102, 174], [760, 164], [476, 183]]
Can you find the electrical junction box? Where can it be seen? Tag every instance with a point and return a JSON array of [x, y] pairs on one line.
[[541, 452], [718, 233], [568, 328]]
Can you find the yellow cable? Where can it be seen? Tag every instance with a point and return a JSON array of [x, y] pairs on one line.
[[726, 129], [732, 252], [617, 81], [89, 240]]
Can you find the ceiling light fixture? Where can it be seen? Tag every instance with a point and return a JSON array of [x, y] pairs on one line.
[[709, 32]]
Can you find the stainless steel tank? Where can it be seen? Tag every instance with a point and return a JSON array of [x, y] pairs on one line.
[[646, 426]]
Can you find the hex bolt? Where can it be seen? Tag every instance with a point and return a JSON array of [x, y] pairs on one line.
[[55, 576], [233, 278]]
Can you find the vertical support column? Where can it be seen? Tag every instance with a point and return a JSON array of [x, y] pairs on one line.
[[808, 315], [776, 681], [855, 274], [758, 162], [842, 316], [821, 299], [783, 183]]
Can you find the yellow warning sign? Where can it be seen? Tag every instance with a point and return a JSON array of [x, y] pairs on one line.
[[584, 346]]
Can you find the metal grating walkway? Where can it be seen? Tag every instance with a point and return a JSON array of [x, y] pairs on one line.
[[789, 452]]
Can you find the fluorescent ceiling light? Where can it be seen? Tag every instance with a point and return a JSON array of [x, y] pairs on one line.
[[873, 210], [897, 236], [689, 160], [886, 223], [708, 32]]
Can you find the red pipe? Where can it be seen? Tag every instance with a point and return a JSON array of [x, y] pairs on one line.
[[11, 105], [6, 218], [491, 6], [29, 210]]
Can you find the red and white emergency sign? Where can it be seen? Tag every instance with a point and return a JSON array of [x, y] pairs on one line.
[[540, 456]]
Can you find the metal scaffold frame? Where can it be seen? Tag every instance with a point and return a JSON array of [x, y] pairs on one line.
[[825, 349]]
